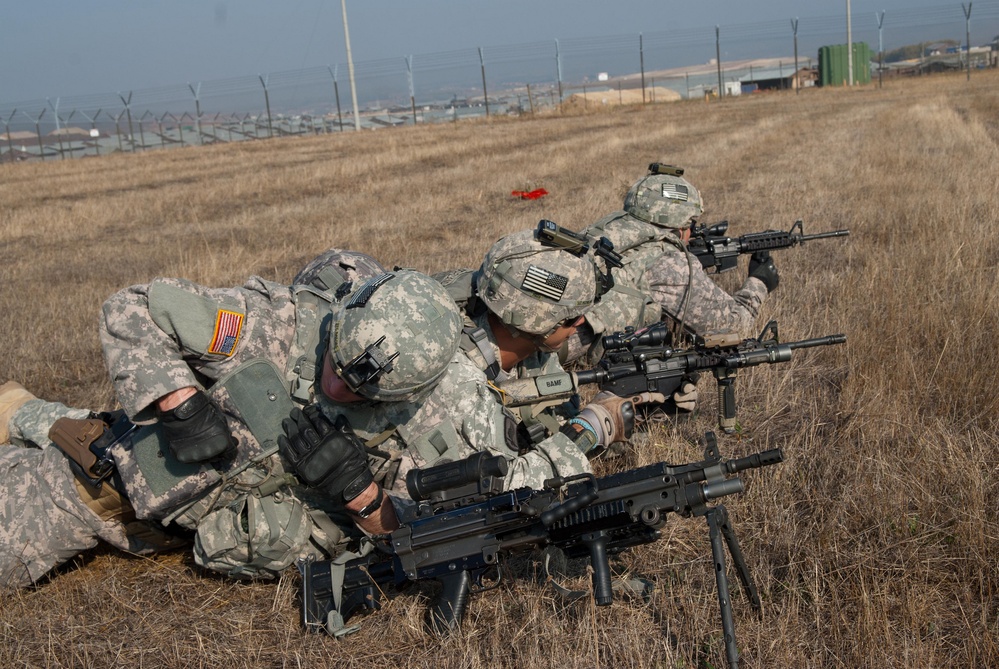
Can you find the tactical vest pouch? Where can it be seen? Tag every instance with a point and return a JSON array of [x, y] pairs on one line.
[[256, 537], [258, 398], [154, 480], [440, 444]]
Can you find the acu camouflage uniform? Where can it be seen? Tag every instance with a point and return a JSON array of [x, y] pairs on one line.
[[498, 287], [450, 419], [256, 350], [660, 278], [47, 515], [250, 518]]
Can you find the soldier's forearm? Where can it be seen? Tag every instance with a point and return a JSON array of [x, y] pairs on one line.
[[382, 521], [174, 399]]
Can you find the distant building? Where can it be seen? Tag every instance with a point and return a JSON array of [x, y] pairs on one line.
[[775, 79]]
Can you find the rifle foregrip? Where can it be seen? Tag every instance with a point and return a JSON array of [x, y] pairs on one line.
[[603, 591], [449, 608], [726, 405]]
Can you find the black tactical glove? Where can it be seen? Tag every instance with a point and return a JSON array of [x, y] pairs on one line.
[[762, 267], [328, 457], [196, 430]]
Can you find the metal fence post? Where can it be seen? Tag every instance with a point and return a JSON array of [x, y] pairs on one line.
[[197, 109], [412, 91], [485, 92], [336, 94], [558, 74], [10, 142], [142, 134], [38, 132], [267, 103], [131, 133], [641, 63]]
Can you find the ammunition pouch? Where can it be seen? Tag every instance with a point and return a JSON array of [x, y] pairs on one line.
[[255, 537]]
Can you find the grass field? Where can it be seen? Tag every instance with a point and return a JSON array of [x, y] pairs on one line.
[[874, 544]]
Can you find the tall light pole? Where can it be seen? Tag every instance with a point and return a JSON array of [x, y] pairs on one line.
[[849, 45], [350, 66], [797, 80], [881, 47], [967, 33]]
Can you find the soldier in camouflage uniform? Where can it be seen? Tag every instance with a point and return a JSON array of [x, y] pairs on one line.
[[249, 517], [660, 279], [48, 515], [521, 305], [366, 387]]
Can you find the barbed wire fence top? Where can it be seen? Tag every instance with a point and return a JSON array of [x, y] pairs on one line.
[[445, 86]]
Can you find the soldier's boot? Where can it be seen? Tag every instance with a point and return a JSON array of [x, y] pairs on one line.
[[12, 397]]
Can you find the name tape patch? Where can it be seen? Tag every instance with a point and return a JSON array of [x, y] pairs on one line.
[[228, 325]]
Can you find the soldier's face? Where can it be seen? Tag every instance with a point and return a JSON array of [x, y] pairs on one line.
[[334, 387], [554, 341]]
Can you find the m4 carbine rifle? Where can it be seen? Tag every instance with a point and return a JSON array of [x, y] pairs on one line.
[[714, 249], [636, 362], [466, 524]]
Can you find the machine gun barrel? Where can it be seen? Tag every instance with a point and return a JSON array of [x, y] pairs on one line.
[[755, 461]]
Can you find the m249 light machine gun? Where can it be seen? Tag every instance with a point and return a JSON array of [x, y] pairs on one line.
[[466, 524], [642, 361], [714, 249]]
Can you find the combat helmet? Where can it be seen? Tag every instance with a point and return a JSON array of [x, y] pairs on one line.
[[532, 287], [333, 269], [394, 335], [664, 198]]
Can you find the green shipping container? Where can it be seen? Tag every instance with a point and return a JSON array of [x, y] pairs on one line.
[[833, 65]]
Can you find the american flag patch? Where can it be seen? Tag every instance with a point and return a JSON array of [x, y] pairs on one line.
[[227, 328], [364, 293], [676, 192], [544, 283]]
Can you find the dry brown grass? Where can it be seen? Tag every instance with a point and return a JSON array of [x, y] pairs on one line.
[[874, 545]]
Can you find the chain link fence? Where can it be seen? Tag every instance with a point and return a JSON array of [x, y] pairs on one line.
[[522, 79]]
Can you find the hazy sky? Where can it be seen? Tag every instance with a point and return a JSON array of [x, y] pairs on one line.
[[50, 48]]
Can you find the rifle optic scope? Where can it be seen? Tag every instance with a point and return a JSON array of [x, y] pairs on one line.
[[422, 483], [656, 335]]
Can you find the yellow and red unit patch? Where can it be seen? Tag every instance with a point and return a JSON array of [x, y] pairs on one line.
[[228, 325]]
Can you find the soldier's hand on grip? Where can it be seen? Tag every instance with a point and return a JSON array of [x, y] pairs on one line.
[[325, 456], [762, 267], [685, 397], [196, 430], [613, 417]]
